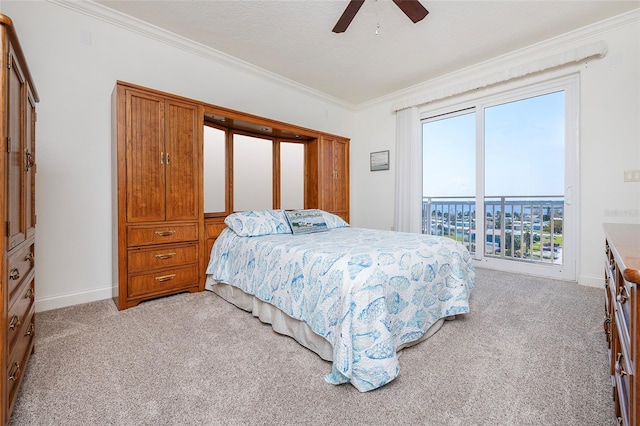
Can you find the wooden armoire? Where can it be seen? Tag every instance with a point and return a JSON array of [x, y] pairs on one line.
[[19, 98], [162, 236], [327, 161], [158, 207]]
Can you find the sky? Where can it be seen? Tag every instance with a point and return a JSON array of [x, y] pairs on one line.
[[523, 145]]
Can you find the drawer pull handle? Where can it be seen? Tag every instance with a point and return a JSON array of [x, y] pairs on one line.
[[622, 295], [31, 330], [29, 161], [165, 233], [15, 371], [619, 370], [607, 324], [165, 256], [14, 274], [15, 321], [165, 278], [29, 293], [29, 257]]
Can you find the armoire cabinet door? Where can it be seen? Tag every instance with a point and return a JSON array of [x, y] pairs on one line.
[[30, 167], [341, 179], [16, 176], [181, 160], [145, 157], [334, 176], [162, 159]]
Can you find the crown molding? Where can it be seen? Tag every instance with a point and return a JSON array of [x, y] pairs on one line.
[[110, 16]]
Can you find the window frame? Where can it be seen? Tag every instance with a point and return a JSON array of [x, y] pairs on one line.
[[229, 168]]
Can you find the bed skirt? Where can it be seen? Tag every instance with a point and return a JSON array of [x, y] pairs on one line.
[[284, 324]]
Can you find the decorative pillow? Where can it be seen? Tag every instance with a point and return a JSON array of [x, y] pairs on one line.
[[306, 221], [253, 223], [333, 221]]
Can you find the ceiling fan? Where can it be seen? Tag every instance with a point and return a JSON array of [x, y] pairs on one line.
[[412, 8]]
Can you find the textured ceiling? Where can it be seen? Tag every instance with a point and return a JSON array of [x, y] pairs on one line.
[[293, 38]]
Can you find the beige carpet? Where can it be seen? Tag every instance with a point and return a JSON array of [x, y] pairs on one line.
[[531, 352]]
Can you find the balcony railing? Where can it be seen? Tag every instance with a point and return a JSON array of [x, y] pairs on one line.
[[525, 228]]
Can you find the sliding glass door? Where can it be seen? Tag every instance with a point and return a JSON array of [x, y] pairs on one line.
[[499, 176]]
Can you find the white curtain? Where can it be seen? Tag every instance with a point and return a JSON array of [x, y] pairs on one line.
[[592, 50], [408, 194]]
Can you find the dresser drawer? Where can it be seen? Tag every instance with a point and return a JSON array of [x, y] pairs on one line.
[[161, 234], [622, 309], [19, 264], [19, 311], [18, 357], [163, 281], [623, 387], [163, 257]]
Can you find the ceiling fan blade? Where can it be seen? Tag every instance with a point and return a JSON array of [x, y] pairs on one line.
[[347, 16], [413, 9]]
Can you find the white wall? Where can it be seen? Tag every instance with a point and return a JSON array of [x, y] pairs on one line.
[[75, 81], [609, 133]]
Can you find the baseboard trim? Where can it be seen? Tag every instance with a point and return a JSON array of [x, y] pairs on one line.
[[590, 281], [70, 299]]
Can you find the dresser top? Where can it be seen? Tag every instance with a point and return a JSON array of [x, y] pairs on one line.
[[624, 240]]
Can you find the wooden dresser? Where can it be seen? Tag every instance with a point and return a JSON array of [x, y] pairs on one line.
[[622, 278], [19, 99], [159, 218]]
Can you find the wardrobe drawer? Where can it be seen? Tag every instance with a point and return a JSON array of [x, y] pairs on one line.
[[163, 281], [160, 234], [19, 312], [623, 387], [19, 356], [622, 309], [19, 264], [163, 257]]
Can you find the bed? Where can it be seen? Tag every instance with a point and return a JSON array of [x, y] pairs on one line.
[[354, 296]]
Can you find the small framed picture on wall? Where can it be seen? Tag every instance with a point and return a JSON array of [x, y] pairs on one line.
[[379, 160]]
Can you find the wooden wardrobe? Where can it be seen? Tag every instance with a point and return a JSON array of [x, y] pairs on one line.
[[327, 161], [19, 99], [159, 217], [162, 236]]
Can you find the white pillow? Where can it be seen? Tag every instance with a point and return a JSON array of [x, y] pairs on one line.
[[253, 223], [333, 221]]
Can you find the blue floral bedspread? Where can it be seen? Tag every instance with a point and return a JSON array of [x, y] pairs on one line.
[[365, 291]]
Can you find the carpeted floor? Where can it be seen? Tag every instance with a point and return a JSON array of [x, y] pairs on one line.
[[531, 352]]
